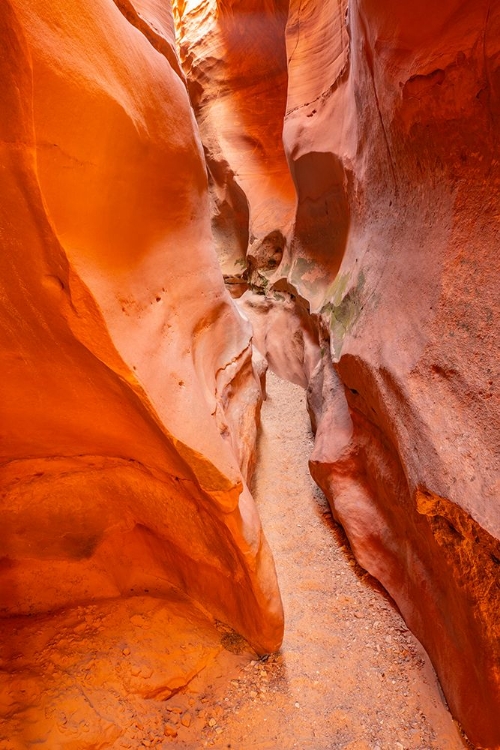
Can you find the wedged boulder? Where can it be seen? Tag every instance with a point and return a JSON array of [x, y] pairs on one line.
[[284, 333], [390, 136]]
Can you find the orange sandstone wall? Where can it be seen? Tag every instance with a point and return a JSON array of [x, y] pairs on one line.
[[127, 372], [392, 130], [126, 367], [234, 57]]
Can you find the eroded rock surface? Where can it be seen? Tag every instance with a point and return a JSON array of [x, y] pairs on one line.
[[125, 365], [102, 675], [234, 57], [130, 398], [407, 442], [390, 134]]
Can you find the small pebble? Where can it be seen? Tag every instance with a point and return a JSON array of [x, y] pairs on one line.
[[175, 709], [170, 731]]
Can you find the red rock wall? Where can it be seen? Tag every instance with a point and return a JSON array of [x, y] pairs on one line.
[[125, 365], [407, 442], [127, 370], [392, 263]]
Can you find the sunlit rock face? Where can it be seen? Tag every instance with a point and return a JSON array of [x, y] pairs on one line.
[[397, 111], [234, 56], [126, 367]]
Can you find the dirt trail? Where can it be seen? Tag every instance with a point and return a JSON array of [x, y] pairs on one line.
[[350, 674], [143, 672]]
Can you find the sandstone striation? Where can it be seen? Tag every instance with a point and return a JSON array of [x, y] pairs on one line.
[[392, 268], [125, 365], [367, 243], [407, 441], [234, 56]]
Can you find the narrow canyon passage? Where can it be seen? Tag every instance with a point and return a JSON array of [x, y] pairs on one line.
[[350, 674], [183, 183], [146, 672]]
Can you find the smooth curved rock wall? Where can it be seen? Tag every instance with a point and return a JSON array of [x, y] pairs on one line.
[[407, 441], [391, 267], [234, 57], [125, 365]]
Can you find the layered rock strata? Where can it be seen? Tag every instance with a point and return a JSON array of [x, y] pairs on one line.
[[234, 57], [390, 135], [125, 365]]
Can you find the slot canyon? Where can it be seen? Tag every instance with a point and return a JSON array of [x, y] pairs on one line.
[[250, 424]]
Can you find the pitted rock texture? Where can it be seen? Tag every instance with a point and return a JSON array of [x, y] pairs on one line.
[[130, 393], [125, 365], [102, 674], [390, 135], [407, 442]]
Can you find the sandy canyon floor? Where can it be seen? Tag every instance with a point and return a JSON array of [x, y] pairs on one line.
[[148, 673]]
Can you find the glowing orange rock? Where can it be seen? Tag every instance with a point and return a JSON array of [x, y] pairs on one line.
[[125, 365], [235, 59]]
